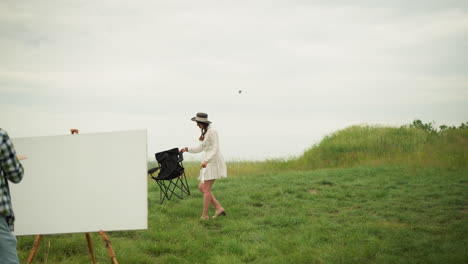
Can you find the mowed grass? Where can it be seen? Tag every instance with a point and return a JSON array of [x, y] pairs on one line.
[[343, 215]]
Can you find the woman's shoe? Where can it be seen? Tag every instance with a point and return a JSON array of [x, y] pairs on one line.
[[205, 218], [219, 213]]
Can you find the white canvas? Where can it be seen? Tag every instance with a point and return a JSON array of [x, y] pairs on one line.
[[81, 183]]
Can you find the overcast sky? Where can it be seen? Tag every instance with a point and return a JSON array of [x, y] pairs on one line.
[[305, 68]]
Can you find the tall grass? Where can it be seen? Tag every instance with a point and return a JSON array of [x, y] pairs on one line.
[[375, 145], [365, 146], [236, 168]]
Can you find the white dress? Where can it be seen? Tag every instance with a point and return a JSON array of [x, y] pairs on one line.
[[216, 167]]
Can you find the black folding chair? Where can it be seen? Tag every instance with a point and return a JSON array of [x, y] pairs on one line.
[[171, 177]]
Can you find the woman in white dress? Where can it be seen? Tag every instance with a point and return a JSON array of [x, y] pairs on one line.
[[213, 166]]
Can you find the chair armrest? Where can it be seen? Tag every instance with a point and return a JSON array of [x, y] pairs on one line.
[[153, 170]]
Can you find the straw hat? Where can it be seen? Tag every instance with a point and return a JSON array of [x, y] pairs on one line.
[[201, 117]]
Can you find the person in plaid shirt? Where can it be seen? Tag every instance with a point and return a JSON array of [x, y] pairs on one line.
[[10, 170]]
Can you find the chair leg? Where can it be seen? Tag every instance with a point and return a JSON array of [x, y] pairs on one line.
[[186, 186], [168, 189], [174, 184], [163, 191], [182, 184]]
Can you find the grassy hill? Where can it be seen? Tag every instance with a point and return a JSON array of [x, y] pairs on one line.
[[364, 194], [374, 145], [412, 145]]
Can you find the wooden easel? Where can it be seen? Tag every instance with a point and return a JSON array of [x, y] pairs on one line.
[[37, 240]]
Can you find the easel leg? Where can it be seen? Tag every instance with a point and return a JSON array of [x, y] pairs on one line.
[[90, 247], [109, 247], [36, 244]]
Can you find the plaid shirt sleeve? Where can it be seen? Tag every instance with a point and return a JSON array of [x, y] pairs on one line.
[[11, 167], [10, 170]]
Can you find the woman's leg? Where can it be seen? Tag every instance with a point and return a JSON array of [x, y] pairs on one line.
[[215, 202], [204, 187], [208, 197]]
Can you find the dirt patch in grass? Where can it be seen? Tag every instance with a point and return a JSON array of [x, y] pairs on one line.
[[313, 191], [464, 211]]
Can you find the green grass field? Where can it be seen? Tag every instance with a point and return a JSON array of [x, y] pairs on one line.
[[400, 203]]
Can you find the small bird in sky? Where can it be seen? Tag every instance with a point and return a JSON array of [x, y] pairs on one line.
[[240, 91]]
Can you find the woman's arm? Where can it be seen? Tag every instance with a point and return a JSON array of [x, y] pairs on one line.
[[197, 149], [214, 141]]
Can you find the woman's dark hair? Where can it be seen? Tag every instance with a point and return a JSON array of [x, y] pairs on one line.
[[204, 128]]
